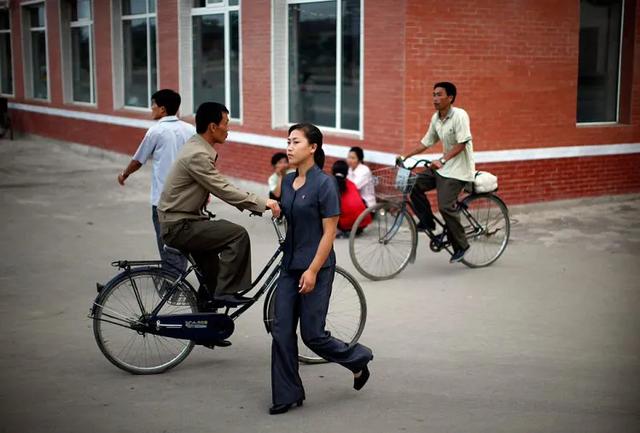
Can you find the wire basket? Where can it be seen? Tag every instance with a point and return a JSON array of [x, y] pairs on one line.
[[392, 183]]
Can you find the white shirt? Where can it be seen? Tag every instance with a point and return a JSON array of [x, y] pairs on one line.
[[452, 130], [162, 142], [363, 179]]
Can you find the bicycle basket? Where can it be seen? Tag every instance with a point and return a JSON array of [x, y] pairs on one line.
[[393, 182]]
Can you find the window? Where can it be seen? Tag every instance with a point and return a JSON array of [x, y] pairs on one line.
[[35, 44], [6, 63], [599, 60], [136, 72], [324, 68], [78, 50], [216, 56]]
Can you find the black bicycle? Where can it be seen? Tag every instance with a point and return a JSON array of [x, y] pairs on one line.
[[146, 319], [384, 248]]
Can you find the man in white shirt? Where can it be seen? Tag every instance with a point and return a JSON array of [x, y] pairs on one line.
[[361, 175], [448, 174], [161, 144]]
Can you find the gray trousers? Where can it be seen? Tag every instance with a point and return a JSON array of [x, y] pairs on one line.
[[221, 249], [311, 309], [171, 262], [448, 190]]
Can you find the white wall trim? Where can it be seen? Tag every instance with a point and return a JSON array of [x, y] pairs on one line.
[[339, 151]]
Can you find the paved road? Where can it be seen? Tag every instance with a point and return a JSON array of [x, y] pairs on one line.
[[546, 340]]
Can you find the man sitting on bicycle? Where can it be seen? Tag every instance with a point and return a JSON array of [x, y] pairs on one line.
[[448, 174], [221, 248]]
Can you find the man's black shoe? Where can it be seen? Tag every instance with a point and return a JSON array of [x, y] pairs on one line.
[[218, 343], [232, 299], [458, 255]]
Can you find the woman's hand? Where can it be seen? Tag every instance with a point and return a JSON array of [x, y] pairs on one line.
[[307, 282]]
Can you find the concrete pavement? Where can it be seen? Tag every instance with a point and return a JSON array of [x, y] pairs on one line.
[[545, 340]]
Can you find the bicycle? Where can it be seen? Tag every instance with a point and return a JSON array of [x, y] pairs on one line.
[[146, 319], [389, 243]]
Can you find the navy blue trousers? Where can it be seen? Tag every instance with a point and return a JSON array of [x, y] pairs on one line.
[[311, 310]]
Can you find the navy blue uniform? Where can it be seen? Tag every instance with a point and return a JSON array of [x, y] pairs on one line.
[[304, 209]]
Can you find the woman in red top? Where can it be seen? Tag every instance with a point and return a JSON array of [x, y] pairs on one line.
[[351, 203]]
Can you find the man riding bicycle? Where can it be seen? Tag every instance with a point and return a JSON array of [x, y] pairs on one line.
[[449, 174], [221, 248]]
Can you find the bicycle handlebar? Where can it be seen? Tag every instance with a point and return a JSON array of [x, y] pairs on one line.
[[400, 163], [276, 226]]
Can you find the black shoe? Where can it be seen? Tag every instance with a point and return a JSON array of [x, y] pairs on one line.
[[232, 299], [218, 343], [360, 381], [277, 409], [458, 255]]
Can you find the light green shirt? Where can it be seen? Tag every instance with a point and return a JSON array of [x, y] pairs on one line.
[[452, 130]]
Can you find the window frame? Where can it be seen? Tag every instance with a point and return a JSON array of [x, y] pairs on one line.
[[284, 101], [118, 63], [67, 24], [11, 66], [222, 8], [27, 30], [618, 79]]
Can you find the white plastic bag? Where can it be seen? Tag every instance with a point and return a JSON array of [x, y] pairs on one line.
[[485, 182]]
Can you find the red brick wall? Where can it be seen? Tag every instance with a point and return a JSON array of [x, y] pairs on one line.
[[515, 64]]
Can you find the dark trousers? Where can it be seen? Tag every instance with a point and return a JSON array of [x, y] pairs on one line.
[[448, 190], [221, 249], [171, 262], [311, 309]]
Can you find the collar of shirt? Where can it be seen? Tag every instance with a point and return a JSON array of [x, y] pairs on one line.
[[209, 148], [168, 119], [312, 171], [448, 116]]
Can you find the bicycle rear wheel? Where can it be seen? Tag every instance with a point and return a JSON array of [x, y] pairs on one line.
[[346, 316], [485, 219], [387, 245], [117, 321]]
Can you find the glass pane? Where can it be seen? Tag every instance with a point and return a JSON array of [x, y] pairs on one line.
[[80, 10], [136, 92], [350, 64], [199, 3], [6, 74], [134, 7], [234, 60], [152, 6], [153, 55], [233, 2], [5, 23], [312, 63], [208, 59], [599, 57], [39, 64], [36, 15], [81, 63]]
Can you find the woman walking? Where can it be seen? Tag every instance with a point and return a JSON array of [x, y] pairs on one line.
[[311, 205]]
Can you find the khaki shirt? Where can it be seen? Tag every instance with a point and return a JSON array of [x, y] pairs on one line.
[[452, 130], [191, 179]]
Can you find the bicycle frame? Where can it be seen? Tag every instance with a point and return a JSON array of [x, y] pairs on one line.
[[128, 266]]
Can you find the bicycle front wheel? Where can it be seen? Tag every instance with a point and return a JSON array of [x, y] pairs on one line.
[[118, 317], [485, 219], [346, 315], [387, 245]]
